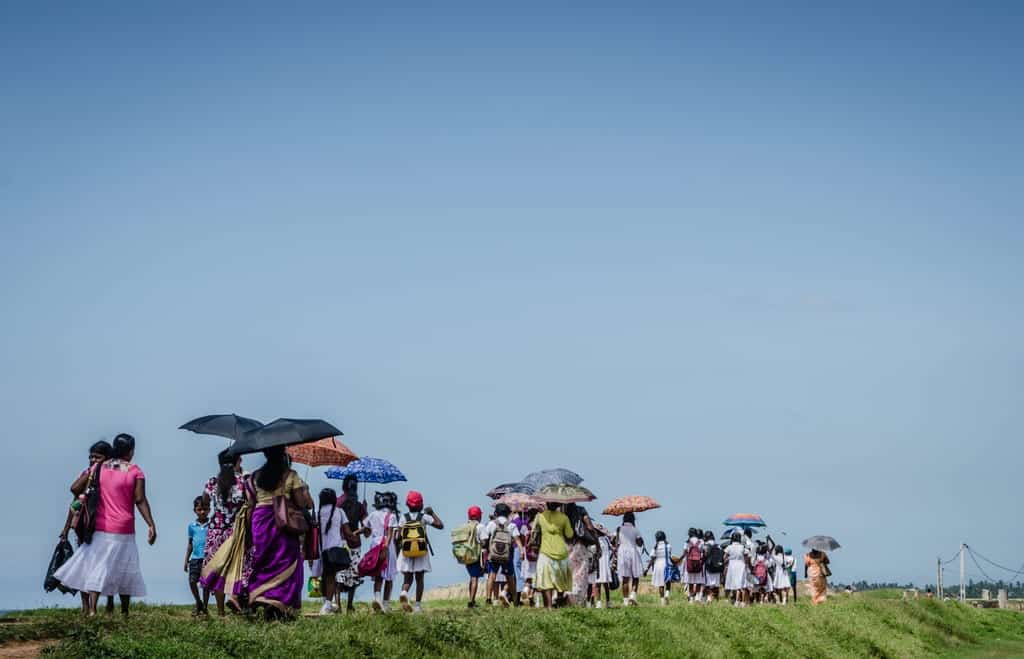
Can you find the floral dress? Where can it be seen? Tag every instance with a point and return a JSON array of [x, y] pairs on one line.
[[222, 515]]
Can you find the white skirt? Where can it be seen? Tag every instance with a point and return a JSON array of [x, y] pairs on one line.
[[693, 578], [712, 579], [658, 573], [629, 563], [109, 565], [736, 577], [418, 564], [604, 568], [781, 578]]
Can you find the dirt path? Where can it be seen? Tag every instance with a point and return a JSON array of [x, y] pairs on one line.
[[24, 649]]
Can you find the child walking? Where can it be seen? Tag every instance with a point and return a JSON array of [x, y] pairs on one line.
[[381, 526], [335, 534], [414, 561], [195, 552], [660, 557]]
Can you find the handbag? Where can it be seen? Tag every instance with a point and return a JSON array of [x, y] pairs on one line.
[[289, 517], [84, 522], [371, 564], [311, 539]]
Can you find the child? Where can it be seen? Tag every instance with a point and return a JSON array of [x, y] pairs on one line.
[[659, 561], [603, 578], [195, 552], [736, 556], [334, 534], [381, 526], [501, 531], [410, 563], [714, 564], [98, 453], [759, 569], [529, 558], [694, 564], [783, 564], [476, 568]]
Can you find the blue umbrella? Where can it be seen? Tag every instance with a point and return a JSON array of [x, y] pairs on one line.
[[559, 476], [368, 470]]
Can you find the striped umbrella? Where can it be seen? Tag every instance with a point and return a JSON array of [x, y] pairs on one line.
[[327, 452], [744, 520]]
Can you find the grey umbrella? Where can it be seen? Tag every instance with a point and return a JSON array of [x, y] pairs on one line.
[[231, 426], [559, 476], [821, 543], [499, 491], [284, 432]]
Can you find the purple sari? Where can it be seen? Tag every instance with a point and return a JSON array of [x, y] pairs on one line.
[[277, 577]]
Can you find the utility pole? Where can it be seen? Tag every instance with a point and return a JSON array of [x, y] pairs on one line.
[[938, 580], [963, 585]]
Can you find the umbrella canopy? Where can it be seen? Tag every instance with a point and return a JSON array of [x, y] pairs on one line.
[[322, 453], [539, 479], [499, 491], [284, 432], [631, 504], [520, 503], [745, 520], [735, 529], [231, 426], [821, 543], [565, 493], [368, 470]]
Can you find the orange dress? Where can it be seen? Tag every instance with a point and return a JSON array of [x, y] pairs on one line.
[[816, 577]]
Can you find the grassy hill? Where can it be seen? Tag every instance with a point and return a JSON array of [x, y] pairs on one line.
[[875, 624]]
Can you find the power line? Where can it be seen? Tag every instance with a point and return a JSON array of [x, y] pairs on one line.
[[1001, 567], [970, 552]]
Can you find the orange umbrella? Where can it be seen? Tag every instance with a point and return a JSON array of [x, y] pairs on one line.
[[631, 504], [321, 453]]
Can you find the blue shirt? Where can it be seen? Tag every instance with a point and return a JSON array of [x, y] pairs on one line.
[[197, 534]]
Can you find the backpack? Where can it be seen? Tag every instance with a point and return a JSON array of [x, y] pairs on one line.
[[694, 559], [466, 544], [761, 572], [413, 536], [715, 561], [499, 547]]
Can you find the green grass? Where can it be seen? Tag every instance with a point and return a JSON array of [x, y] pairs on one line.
[[879, 625]]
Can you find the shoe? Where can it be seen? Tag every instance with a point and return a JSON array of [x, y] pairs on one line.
[[327, 609], [503, 598], [417, 608], [471, 605], [664, 601], [599, 605], [385, 607], [404, 600]]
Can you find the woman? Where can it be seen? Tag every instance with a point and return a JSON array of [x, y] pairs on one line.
[[584, 535], [276, 581], [553, 571], [224, 495], [736, 569], [99, 453], [817, 572], [109, 564], [630, 563], [349, 580]]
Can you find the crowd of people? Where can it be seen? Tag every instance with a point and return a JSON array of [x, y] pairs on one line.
[[253, 534]]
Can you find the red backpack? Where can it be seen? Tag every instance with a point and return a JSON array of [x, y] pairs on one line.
[[761, 572], [694, 559]]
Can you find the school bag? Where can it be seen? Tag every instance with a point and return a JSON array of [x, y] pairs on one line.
[[715, 561], [694, 559], [499, 548], [466, 544], [761, 572], [413, 535]]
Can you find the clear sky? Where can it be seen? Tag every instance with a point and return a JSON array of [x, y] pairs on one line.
[[735, 256]]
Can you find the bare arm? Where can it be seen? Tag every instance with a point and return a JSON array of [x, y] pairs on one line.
[[67, 525], [206, 499], [438, 524], [143, 505], [78, 485], [301, 498], [188, 553]]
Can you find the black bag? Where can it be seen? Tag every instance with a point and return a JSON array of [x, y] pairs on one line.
[[714, 562], [614, 585], [85, 525], [61, 555]]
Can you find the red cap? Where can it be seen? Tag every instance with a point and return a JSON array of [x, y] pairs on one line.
[[475, 513], [414, 499]]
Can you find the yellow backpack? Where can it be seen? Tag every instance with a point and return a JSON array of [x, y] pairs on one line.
[[413, 536]]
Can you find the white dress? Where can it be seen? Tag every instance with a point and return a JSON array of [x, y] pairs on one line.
[[375, 521], [529, 567], [736, 574], [604, 564], [662, 551], [782, 567], [696, 578], [630, 565], [420, 563]]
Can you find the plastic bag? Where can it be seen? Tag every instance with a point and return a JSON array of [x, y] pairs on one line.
[[313, 587], [61, 554]]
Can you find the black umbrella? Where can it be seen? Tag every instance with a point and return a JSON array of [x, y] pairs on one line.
[[821, 543], [231, 426], [499, 491], [284, 432]]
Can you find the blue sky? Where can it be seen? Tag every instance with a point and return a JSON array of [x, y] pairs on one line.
[[739, 258]]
